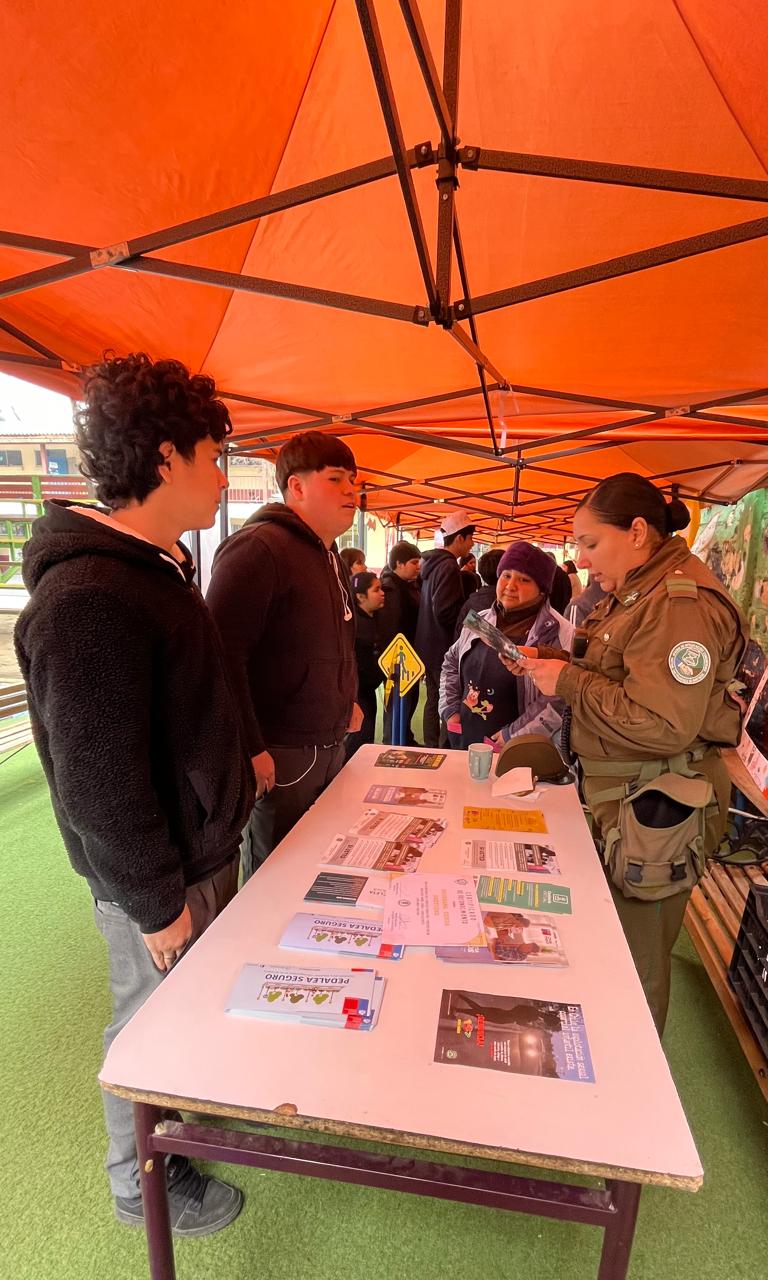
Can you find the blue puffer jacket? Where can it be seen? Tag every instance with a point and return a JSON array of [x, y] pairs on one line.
[[538, 714]]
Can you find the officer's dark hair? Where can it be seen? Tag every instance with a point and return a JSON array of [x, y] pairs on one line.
[[362, 582], [401, 553], [449, 538], [622, 498], [311, 451], [488, 566], [131, 405]]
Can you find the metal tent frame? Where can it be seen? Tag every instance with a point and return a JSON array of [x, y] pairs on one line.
[[412, 503]]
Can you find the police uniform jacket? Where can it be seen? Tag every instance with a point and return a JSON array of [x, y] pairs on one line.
[[656, 677]]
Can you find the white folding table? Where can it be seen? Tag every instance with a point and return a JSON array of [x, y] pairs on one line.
[[182, 1050]]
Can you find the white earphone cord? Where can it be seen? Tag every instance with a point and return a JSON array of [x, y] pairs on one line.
[[303, 775]]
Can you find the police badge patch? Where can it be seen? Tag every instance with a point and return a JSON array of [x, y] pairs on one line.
[[689, 662]]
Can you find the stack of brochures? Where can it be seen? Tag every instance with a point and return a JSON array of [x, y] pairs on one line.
[[346, 998], [344, 934]]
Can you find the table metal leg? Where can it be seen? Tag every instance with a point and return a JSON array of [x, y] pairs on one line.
[[620, 1230], [154, 1193]]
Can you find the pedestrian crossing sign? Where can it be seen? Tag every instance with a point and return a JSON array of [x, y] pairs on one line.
[[399, 653]]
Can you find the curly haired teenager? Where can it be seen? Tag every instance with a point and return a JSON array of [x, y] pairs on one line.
[[132, 711]]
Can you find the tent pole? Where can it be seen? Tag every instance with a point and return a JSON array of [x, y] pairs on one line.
[[624, 175], [611, 268], [32, 343], [372, 36]]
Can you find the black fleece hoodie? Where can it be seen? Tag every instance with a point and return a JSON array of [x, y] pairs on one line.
[[442, 596], [282, 603], [132, 713]]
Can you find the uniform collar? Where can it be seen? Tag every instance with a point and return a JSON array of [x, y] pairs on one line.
[[670, 555]]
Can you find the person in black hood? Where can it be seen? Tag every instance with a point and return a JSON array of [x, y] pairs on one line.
[[282, 601], [369, 598], [132, 710], [400, 583], [442, 596]]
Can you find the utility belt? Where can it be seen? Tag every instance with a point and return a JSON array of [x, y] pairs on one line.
[[655, 848]]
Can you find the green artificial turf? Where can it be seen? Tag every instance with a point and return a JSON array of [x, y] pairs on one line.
[[55, 1204]]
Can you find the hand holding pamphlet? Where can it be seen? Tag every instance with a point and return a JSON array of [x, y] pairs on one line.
[[494, 638]]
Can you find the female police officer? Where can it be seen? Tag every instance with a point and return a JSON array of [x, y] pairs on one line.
[[651, 704]]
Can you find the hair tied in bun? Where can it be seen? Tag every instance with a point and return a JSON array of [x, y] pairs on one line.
[[678, 515]]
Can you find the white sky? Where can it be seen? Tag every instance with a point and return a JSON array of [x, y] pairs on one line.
[[25, 408]]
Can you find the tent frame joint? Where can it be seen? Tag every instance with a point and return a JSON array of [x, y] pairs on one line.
[[110, 255]]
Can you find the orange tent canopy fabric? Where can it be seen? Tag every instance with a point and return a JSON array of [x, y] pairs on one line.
[[339, 309]]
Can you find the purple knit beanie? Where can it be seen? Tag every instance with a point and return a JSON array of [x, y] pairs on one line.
[[526, 559]]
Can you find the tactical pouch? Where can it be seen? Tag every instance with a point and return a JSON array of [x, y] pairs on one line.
[[656, 848]]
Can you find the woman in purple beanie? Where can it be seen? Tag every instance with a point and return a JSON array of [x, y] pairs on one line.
[[479, 698]]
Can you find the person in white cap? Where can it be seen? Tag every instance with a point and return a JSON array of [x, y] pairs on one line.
[[442, 597]]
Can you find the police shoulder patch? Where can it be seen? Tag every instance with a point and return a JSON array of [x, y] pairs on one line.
[[680, 588], [689, 662]]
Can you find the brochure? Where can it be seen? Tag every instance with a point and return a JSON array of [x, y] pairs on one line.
[[401, 758], [340, 890], [328, 996], [409, 828], [513, 938], [425, 797], [433, 910], [376, 855], [513, 1033], [509, 855], [531, 895], [480, 819], [343, 934], [492, 637]]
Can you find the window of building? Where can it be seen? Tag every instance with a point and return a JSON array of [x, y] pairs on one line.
[[10, 458], [58, 463]]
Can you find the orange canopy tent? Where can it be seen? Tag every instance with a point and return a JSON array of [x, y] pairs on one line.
[[506, 249]]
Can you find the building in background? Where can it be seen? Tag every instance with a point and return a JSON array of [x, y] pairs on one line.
[[38, 460]]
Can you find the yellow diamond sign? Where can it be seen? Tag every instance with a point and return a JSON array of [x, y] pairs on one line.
[[399, 653]]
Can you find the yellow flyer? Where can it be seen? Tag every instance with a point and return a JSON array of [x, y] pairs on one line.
[[504, 819]]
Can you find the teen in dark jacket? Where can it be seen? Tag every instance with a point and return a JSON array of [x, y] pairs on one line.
[[281, 598], [442, 597], [132, 711], [282, 603], [400, 584]]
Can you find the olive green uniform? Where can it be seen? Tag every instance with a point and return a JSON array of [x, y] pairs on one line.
[[655, 684]]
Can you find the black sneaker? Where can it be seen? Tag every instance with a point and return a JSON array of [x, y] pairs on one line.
[[198, 1204]]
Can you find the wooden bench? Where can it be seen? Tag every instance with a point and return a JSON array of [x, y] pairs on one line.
[[15, 729], [712, 919]]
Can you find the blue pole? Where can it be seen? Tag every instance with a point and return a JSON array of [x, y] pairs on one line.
[[398, 717]]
